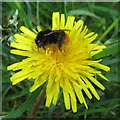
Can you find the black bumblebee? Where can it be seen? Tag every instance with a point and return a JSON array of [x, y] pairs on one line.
[[48, 36]]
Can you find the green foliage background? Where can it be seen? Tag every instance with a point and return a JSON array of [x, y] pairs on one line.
[[101, 18]]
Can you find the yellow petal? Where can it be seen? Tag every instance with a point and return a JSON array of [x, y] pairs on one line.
[[21, 73], [96, 82], [84, 31], [87, 93], [38, 71], [69, 72], [91, 87], [19, 52], [103, 67], [73, 101], [21, 46], [75, 34], [39, 28], [55, 21], [102, 76], [51, 80], [77, 89], [70, 21], [79, 94], [20, 38], [49, 97], [88, 35], [92, 70], [84, 86], [90, 62], [56, 93], [66, 99], [52, 91], [78, 24], [90, 39], [19, 65], [28, 32], [19, 76], [99, 47], [62, 23], [15, 81], [38, 82], [35, 31], [13, 66], [96, 52]]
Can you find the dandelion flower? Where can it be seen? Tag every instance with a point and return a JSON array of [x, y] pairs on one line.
[[70, 69]]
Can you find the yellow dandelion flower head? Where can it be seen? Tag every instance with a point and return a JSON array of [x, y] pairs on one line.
[[69, 68]]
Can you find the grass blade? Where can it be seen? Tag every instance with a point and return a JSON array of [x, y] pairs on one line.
[[109, 29], [24, 106], [83, 12], [37, 12]]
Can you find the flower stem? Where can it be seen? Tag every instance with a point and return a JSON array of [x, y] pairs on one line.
[[39, 100]]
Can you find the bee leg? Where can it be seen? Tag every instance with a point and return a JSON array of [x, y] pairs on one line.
[[38, 49], [60, 46], [44, 48]]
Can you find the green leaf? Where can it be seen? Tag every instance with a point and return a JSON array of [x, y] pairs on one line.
[[112, 77], [109, 51], [101, 10], [111, 42], [37, 14], [109, 29], [112, 60], [100, 110], [83, 12], [16, 113]]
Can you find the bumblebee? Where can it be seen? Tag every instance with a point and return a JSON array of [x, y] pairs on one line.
[[48, 36]]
